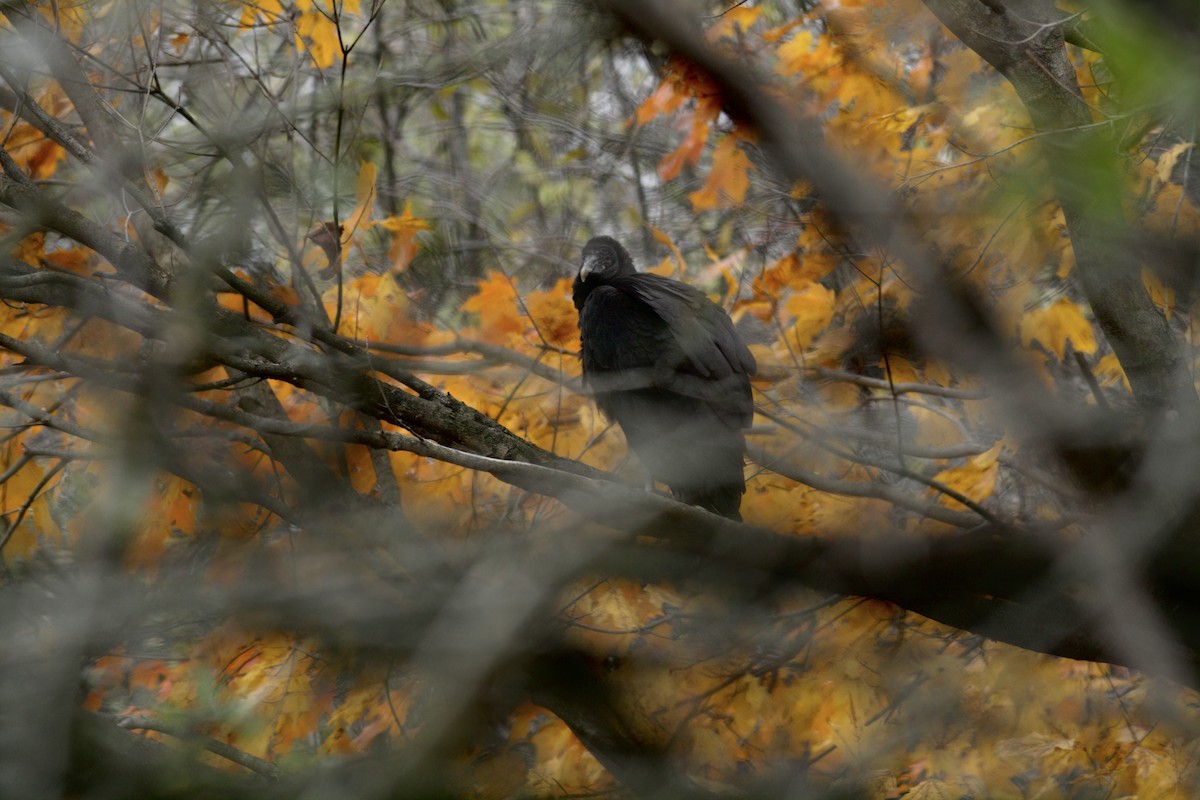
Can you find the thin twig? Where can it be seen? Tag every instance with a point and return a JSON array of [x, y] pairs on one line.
[[222, 749]]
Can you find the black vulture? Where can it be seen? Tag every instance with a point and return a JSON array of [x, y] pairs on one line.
[[667, 364]]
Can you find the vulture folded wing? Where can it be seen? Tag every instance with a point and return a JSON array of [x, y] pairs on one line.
[[719, 361]]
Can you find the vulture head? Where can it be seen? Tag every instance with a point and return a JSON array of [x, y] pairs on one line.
[[605, 258]]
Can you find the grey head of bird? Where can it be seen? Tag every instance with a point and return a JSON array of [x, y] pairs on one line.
[[605, 258]]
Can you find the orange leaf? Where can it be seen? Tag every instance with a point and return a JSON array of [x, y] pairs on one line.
[[554, 315], [159, 179], [688, 152], [30, 248], [374, 307], [72, 259], [497, 306], [31, 149], [664, 100], [404, 230], [361, 468], [727, 181]]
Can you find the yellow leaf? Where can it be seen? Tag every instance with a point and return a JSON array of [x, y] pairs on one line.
[[1057, 324], [934, 790], [1162, 295], [364, 203], [375, 308], [1173, 214], [316, 33], [663, 238], [975, 480], [271, 11], [271, 677], [1034, 747], [15, 493], [793, 54], [1168, 160], [1109, 373], [740, 18], [812, 307], [561, 760], [935, 430], [68, 19]]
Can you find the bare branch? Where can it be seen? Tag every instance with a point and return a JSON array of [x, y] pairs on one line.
[[223, 749]]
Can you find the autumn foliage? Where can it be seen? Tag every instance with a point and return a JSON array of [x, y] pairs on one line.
[[298, 450]]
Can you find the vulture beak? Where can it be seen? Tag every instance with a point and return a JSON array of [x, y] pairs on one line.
[[586, 268]]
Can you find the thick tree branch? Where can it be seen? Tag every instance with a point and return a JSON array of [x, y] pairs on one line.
[[42, 211], [1024, 42]]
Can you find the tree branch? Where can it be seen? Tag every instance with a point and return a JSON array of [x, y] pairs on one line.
[[1026, 46], [230, 753]]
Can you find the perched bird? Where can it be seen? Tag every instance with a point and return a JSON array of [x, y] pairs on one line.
[[667, 365]]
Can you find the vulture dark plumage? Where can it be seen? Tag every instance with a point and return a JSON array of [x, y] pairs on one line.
[[667, 365]]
